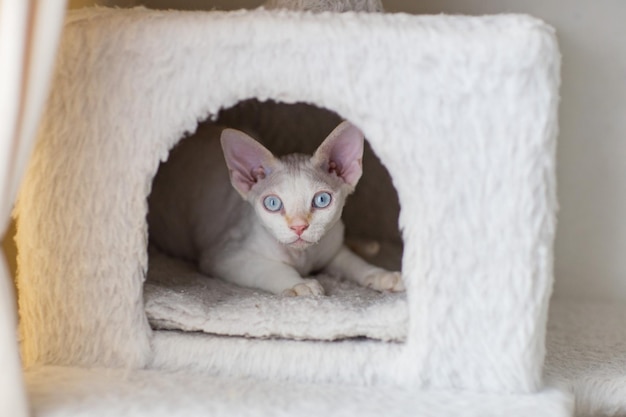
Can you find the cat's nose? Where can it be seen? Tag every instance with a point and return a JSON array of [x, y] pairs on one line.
[[299, 228]]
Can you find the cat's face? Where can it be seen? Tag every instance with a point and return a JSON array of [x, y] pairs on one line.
[[298, 198], [299, 203]]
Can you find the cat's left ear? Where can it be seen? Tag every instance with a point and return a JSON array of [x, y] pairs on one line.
[[341, 153]]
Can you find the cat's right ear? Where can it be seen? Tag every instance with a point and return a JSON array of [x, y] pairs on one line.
[[247, 160], [341, 153]]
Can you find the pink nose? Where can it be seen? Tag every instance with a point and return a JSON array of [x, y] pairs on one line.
[[299, 228]]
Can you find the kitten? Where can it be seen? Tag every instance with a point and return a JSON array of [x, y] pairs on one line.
[[260, 221]]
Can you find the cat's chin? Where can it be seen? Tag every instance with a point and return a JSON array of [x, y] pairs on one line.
[[299, 244]]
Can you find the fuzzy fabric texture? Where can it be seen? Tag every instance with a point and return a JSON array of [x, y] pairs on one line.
[[586, 355], [75, 392], [326, 5], [461, 110], [178, 297]]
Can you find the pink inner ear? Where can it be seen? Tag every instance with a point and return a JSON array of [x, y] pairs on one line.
[[247, 160], [342, 152]]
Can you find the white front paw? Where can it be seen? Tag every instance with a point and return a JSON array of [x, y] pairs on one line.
[[382, 280], [307, 287]]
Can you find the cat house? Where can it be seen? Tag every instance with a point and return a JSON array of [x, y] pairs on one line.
[[462, 113]]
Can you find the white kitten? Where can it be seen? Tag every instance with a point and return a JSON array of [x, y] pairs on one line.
[[288, 223]]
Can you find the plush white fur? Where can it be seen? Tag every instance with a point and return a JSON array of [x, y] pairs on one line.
[[75, 392], [461, 110]]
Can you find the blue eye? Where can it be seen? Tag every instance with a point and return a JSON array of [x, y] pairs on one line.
[[321, 200], [272, 203]]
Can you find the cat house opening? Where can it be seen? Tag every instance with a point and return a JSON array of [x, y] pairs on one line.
[[180, 297]]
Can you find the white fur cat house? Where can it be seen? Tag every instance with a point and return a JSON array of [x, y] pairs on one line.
[[460, 110]]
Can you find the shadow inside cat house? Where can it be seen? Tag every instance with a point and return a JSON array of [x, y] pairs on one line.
[[258, 205]]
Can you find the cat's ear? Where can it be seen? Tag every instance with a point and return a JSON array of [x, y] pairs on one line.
[[247, 160], [341, 153]]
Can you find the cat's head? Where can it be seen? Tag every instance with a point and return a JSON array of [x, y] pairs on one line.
[[297, 197]]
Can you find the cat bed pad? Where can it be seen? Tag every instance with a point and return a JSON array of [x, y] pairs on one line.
[[586, 354], [178, 297]]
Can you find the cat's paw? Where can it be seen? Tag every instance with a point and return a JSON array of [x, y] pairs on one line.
[[308, 287], [382, 280]]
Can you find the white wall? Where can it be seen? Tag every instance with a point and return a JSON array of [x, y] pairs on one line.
[[591, 238]]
